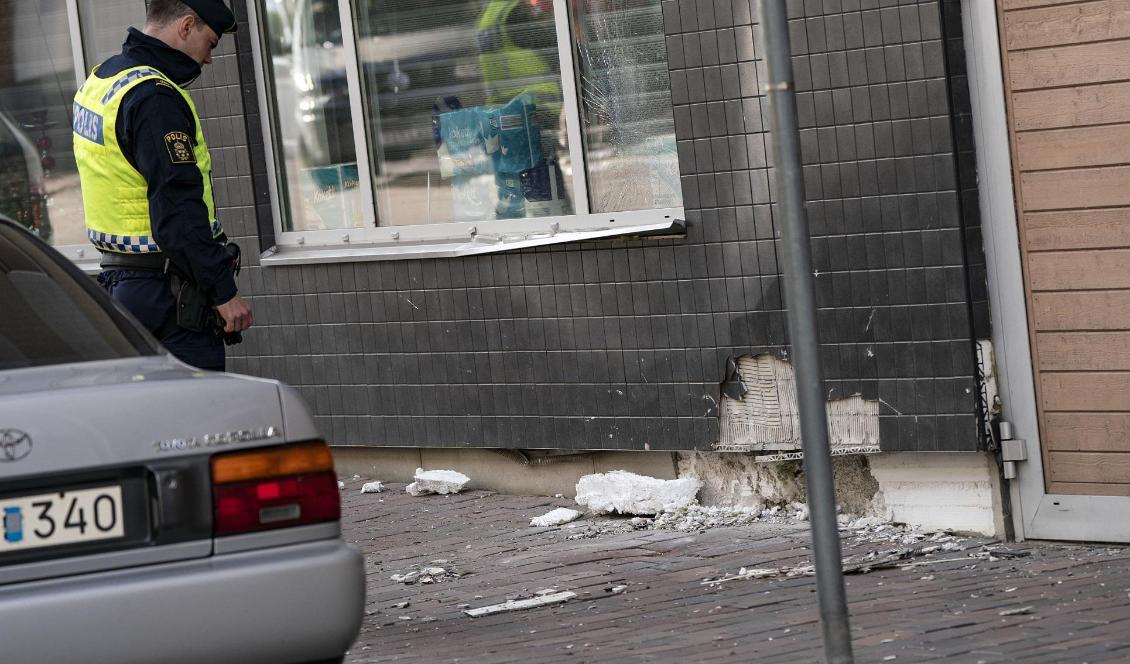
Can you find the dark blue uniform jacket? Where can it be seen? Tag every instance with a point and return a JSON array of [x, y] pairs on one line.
[[177, 211]]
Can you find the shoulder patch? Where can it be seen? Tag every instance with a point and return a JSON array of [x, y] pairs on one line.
[[180, 148]]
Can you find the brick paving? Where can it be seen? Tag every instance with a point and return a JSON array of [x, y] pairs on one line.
[[945, 609]]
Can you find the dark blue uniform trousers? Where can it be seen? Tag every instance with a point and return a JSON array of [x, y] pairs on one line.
[[148, 296]]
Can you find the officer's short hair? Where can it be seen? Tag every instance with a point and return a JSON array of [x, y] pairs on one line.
[[163, 12]]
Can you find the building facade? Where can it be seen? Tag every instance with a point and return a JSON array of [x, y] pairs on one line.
[[531, 225]]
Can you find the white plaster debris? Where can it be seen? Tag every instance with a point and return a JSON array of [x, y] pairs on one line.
[[373, 487], [340, 484], [431, 573], [1020, 611], [628, 493], [693, 518], [696, 518], [542, 599], [557, 517], [442, 482]]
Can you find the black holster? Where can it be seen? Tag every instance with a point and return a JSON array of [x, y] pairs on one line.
[[194, 310]]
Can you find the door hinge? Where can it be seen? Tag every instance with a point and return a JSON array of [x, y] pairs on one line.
[[1013, 450]]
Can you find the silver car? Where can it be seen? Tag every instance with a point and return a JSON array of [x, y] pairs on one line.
[[149, 511]]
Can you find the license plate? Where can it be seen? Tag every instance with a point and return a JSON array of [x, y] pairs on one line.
[[62, 517]]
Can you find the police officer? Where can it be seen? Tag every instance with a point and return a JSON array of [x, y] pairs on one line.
[[512, 34], [147, 188]]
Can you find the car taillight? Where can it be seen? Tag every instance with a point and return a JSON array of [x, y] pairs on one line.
[[274, 487]]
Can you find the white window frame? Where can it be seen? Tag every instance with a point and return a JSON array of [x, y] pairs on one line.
[[372, 242], [84, 255]]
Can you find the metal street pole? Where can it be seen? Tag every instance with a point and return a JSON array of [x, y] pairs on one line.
[[801, 300]]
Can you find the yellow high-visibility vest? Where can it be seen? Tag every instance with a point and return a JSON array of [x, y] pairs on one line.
[[114, 193]]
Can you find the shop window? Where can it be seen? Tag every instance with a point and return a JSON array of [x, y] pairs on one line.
[[466, 125], [42, 61], [104, 26], [39, 185]]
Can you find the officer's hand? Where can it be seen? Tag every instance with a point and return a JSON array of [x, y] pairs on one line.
[[236, 314]]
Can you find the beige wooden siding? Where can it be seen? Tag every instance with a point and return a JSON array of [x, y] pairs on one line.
[[1067, 78]]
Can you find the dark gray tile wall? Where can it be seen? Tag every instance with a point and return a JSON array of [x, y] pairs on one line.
[[622, 344]]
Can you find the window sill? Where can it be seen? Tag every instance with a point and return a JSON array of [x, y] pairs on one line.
[[292, 254], [84, 256]]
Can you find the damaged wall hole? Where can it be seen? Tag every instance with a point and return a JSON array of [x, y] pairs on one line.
[[767, 417]]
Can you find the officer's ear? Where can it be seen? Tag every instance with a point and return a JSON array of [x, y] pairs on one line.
[[186, 25]]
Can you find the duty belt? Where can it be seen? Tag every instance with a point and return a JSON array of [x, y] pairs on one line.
[[154, 262]]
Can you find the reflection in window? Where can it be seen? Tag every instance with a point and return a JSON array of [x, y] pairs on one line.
[[38, 181], [462, 109], [307, 60], [49, 316], [104, 24], [626, 101], [464, 104]]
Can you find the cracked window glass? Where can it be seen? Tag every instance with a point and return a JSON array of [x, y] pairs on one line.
[[461, 106], [625, 90]]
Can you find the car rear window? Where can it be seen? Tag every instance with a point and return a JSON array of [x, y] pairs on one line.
[[49, 316]]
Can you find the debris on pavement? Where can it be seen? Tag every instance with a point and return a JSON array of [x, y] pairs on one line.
[[520, 604], [628, 493], [695, 517], [875, 530], [373, 487], [557, 517], [865, 563], [1020, 611], [990, 552], [594, 528], [431, 573], [340, 484], [442, 482]]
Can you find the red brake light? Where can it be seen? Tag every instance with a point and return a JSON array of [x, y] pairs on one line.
[[274, 488]]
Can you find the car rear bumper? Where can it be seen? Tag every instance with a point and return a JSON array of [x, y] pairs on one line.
[[286, 604]]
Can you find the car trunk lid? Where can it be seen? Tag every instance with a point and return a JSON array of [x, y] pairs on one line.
[[91, 447]]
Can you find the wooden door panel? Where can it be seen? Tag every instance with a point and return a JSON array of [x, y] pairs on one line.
[[1073, 148], [1085, 391], [1074, 189], [1098, 310], [1084, 351], [1071, 107], [1067, 88], [1087, 432], [1077, 229], [1069, 24], [1061, 66], [1089, 467], [1079, 270]]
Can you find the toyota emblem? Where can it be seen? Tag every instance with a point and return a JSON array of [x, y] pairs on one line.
[[14, 445]]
